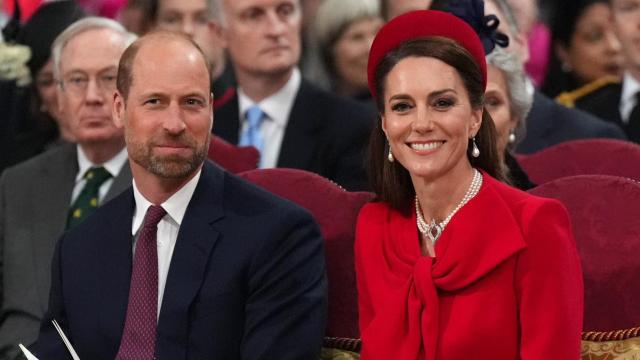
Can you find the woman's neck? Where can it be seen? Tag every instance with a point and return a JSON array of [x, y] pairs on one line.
[[440, 196]]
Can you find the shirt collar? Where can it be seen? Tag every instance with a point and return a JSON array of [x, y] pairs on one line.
[[113, 165], [278, 106], [630, 87], [175, 206]]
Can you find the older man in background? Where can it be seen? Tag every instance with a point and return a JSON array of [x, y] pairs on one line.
[[59, 189]]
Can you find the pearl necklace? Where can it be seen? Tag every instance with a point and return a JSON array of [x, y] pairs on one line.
[[433, 230]]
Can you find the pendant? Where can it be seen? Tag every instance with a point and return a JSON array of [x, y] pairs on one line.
[[433, 231]]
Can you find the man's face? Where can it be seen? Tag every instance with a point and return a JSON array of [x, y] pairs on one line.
[[626, 19], [88, 70], [168, 113], [399, 7], [263, 36], [193, 18]]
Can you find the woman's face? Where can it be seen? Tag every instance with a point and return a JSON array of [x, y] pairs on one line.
[[594, 50], [351, 52], [498, 102], [428, 118], [46, 86]]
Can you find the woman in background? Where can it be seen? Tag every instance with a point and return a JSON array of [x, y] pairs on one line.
[[451, 263], [508, 102], [344, 31], [585, 46]]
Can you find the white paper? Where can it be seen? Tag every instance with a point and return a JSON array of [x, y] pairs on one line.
[[27, 353], [66, 341]]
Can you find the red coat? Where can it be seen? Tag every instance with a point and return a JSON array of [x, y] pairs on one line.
[[506, 282]]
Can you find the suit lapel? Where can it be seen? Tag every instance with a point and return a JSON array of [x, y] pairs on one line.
[[196, 240], [300, 137], [120, 183], [226, 121], [115, 274], [51, 204]]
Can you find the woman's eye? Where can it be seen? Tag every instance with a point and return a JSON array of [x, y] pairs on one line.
[[492, 102], [443, 103], [400, 107]]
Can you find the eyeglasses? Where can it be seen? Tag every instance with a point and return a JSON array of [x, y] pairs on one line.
[[79, 82]]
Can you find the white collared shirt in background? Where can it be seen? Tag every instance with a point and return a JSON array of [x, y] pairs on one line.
[[277, 108], [628, 97], [113, 166], [168, 227]]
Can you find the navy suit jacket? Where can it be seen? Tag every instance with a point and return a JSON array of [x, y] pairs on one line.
[[325, 134], [246, 280], [550, 123]]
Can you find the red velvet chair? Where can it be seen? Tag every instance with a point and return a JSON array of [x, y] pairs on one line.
[[605, 213], [583, 157], [335, 210], [234, 159]]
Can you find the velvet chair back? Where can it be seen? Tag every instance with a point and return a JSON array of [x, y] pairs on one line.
[[583, 157], [232, 158], [605, 214], [335, 210]]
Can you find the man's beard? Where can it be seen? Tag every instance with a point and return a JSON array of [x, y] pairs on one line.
[[172, 166]]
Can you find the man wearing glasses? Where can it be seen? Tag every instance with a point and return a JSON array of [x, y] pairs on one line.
[[55, 191]]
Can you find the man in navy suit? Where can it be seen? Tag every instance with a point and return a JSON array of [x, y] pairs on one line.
[[191, 262], [291, 122]]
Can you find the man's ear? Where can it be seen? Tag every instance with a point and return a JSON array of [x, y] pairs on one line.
[[215, 26], [117, 112], [211, 111]]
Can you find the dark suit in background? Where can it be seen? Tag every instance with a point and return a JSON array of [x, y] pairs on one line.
[[34, 202], [247, 279], [325, 134], [550, 123]]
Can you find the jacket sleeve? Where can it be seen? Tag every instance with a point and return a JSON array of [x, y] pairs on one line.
[[548, 283], [49, 344], [286, 309]]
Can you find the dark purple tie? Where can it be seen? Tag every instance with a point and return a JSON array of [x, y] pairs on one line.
[[139, 336]]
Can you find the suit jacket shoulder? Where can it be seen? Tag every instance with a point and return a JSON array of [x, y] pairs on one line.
[[603, 102], [550, 123]]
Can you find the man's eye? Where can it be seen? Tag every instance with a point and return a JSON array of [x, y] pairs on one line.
[[152, 102], [194, 102], [77, 80], [286, 9]]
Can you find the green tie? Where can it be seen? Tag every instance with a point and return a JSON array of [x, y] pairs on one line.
[[87, 202]]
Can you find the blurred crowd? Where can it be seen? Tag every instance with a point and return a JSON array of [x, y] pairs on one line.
[[578, 52]]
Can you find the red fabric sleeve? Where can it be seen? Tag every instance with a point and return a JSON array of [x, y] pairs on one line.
[[548, 285]]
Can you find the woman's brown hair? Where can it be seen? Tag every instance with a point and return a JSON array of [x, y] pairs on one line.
[[390, 180]]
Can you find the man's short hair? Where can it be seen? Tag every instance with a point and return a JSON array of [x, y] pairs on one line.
[[125, 67], [81, 26], [151, 16]]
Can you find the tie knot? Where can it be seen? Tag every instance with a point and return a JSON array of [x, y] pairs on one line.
[[255, 116], [154, 214], [97, 175]]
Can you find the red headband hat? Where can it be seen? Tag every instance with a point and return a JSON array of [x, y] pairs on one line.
[[420, 24]]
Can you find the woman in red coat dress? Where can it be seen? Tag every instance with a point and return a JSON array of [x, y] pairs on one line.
[[452, 263]]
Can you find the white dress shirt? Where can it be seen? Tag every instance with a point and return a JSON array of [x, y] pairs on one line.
[[277, 108], [628, 98], [113, 166], [168, 227]]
